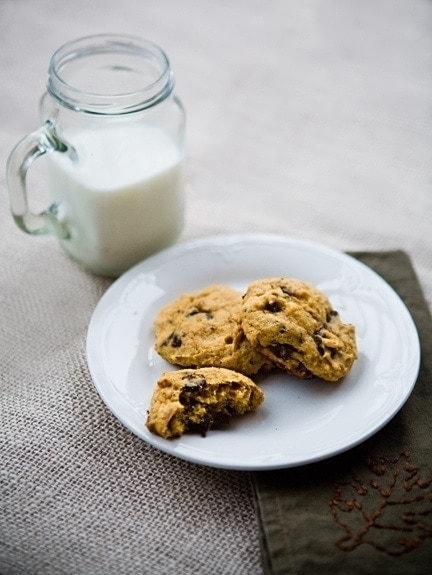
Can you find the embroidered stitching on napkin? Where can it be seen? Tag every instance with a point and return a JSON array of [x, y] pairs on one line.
[[391, 498]]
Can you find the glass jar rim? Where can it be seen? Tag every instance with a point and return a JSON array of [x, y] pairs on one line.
[[121, 102]]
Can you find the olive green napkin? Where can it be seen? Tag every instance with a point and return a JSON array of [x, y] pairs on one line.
[[368, 511]]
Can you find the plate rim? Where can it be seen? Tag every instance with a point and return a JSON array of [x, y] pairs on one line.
[[225, 240]]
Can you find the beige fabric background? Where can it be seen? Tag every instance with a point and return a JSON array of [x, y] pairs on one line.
[[311, 119]]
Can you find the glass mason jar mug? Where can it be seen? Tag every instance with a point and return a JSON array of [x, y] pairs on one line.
[[113, 139]]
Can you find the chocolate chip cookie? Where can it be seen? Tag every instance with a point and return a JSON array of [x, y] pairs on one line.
[[203, 329], [294, 324], [197, 400]]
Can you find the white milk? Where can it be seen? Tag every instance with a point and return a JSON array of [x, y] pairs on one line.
[[121, 199]]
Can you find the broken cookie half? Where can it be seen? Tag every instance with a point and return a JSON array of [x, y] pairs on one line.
[[197, 400]]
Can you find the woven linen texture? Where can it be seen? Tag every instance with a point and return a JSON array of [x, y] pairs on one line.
[[79, 493]]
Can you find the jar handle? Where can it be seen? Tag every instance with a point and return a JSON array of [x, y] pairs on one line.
[[20, 159]]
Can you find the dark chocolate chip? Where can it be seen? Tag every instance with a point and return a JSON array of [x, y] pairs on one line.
[[196, 310], [212, 420], [192, 312], [282, 350], [193, 386], [318, 341], [233, 385], [331, 314], [174, 340], [273, 306]]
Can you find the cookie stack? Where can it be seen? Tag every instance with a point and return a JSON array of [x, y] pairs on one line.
[[277, 323]]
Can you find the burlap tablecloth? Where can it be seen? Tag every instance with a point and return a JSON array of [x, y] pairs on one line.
[[311, 119]]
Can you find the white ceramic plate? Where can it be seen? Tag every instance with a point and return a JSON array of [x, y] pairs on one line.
[[301, 421]]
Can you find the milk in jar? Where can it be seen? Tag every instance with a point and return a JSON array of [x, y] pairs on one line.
[[119, 195]]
